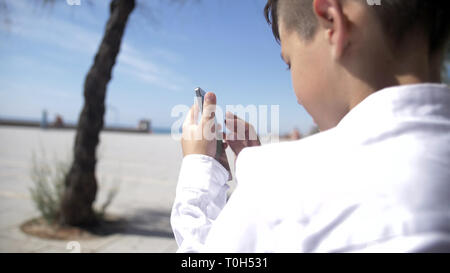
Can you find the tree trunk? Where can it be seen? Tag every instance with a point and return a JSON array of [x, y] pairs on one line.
[[81, 184]]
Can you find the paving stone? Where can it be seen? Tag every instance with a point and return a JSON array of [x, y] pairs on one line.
[[146, 166], [140, 244], [10, 245]]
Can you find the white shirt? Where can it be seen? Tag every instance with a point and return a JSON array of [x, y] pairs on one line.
[[378, 182]]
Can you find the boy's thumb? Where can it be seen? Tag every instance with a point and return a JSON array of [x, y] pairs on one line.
[[209, 106]]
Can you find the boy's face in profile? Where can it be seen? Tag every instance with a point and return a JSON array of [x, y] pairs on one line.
[[317, 64], [307, 63]]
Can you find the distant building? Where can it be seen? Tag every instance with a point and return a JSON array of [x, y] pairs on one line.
[[44, 121], [145, 125], [59, 122]]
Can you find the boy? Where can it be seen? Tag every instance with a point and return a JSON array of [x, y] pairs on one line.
[[377, 178]]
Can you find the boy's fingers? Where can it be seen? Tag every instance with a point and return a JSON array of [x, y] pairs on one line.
[[230, 115], [236, 146], [241, 128], [192, 115], [196, 112], [230, 137], [209, 107], [238, 127], [218, 129], [231, 121]]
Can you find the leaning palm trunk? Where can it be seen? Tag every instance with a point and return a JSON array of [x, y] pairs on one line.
[[81, 184]]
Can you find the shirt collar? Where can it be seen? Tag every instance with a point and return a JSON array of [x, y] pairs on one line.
[[425, 101]]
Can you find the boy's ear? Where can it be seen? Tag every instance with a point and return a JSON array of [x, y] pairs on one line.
[[334, 23]]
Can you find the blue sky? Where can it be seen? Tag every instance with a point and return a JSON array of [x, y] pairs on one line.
[[224, 46]]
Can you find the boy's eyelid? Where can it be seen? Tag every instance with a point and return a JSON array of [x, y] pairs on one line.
[[282, 57], [286, 62]]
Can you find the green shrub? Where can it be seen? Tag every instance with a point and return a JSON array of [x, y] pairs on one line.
[[49, 186]]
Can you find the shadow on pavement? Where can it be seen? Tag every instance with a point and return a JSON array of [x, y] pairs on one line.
[[143, 222]]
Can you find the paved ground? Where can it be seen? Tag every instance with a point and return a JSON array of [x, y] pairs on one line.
[[146, 166]]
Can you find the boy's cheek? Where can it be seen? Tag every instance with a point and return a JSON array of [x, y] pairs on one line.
[[309, 89], [303, 87]]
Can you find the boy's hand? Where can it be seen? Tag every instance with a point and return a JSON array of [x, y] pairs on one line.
[[242, 134], [201, 138]]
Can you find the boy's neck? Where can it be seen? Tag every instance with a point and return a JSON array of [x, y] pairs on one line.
[[410, 64], [416, 65]]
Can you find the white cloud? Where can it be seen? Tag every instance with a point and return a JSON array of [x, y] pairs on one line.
[[134, 63], [55, 32], [75, 37]]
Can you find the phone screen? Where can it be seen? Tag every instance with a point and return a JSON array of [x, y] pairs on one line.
[[200, 95]]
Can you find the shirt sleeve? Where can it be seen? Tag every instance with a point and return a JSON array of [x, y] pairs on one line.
[[201, 195]]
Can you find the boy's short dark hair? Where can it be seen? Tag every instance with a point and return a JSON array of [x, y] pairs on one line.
[[397, 18]]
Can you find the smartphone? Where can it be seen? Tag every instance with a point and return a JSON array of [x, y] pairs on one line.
[[200, 96]]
